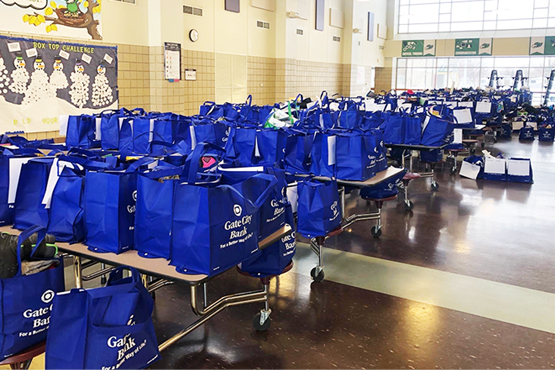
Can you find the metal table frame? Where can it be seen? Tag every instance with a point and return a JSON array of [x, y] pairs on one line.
[[317, 244], [157, 273], [430, 168]]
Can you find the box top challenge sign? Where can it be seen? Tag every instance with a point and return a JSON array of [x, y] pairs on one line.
[[473, 47], [418, 48], [61, 18]]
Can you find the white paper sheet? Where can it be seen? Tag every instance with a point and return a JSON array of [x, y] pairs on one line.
[[292, 196], [98, 132], [331, 150], [534, 125], [151, 131], [483, 107], [53, 176], [193, 136], [466, 104], [518, 167], [469, 170], [15, 172], [458, 136], [63, 125], [256, 149], [495, 166], [517, 125], [425, 124], [463, 116]]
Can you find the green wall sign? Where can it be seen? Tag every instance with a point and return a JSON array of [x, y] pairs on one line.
[[473, 47], [418, 48], [542, 45]]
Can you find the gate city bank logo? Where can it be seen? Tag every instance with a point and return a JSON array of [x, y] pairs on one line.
[[237, 210], [47, 296]]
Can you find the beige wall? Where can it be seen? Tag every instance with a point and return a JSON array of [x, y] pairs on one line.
[[233, 57]]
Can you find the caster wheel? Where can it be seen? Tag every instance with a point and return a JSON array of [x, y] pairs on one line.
[[376, 232], [317, 278], [409, 205], [453, 170], [258, 326], [435, 186]]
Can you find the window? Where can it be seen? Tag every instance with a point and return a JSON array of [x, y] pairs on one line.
[[439, 73], [423, 16]]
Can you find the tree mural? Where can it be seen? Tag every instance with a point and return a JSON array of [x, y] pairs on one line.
[[74, 14]]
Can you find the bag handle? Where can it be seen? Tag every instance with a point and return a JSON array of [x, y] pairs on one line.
[[272, 183], [134, 167]]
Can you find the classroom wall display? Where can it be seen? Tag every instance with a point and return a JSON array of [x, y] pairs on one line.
[[63, 18], [544, 45], [418, 48], [42, 80], [471, 47]]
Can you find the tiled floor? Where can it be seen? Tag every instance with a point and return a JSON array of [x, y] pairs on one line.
[[481, 249]]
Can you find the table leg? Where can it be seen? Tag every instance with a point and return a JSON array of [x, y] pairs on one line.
[[77, 272]]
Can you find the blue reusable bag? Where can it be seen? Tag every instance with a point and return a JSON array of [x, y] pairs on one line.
[[319, 208], [109, 128], [273, 259], [7, 210], [526, 133], [436, 132], [217, 229], [156, 203], [394, 129], [270, 148], [355, 156], [28, 207], [67, 207], [323, 155], [103, 328], [272, 211], [110, 199], [142, 134], [412, 130], [81, 131], [298, 152], [126, 140], [384, 189], [546, 134], [212, 110], [507, 131], [376, 142], [240, 146], [26, 302], [67, 222]]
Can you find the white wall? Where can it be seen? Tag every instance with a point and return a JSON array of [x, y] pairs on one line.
[[126, 23]]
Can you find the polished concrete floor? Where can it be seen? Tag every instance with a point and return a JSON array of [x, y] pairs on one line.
[[462, 281]]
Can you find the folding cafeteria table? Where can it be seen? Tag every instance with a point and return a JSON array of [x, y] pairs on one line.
[[157, 273]]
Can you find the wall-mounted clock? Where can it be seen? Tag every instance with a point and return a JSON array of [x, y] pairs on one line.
[[193, 35]]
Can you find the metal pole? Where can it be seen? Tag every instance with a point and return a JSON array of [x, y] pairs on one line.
[[77, 272]]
